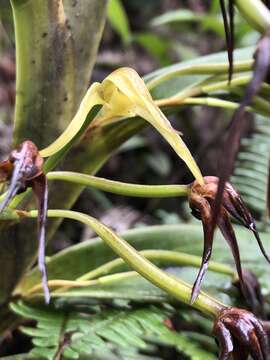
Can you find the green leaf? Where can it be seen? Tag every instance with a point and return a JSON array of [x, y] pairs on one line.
[[209, 22], [256, 14], [173, 79], [118, 20], [74, 261], [155, 45]]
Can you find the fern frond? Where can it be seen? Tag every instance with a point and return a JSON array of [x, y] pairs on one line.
[[251, 171], [108, 334]]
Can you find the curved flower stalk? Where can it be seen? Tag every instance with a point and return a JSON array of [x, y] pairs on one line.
[[175, 287], [236, 329], [202, 200]]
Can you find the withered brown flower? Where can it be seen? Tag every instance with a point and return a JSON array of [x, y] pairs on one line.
[[23, 169], [240, 333], [201, 200]]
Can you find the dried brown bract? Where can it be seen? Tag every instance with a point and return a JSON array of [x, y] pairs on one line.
[[202, 200], [240, 333], [23, 169]]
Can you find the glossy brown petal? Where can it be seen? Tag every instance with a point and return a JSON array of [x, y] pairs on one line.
[[229, 235], [229, 32], [234, 204], [224, 339], [248, 283], [202, 207], [237, 328], [240, 352]]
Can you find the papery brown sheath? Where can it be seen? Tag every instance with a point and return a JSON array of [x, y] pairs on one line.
[[240, 334], [201, 200], [23, 169]]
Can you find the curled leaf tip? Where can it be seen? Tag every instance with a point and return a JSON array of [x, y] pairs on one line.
[[239, 334]]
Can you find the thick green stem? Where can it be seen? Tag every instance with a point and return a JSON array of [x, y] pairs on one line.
[[239, 81], [200, 69], [206, 88], [163, 257], [176, 288], [63, 285], [256, 14], [207, 101], [259, 105], [120, 188]]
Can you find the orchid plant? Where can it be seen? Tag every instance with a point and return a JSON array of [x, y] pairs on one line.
[[122, 98]]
